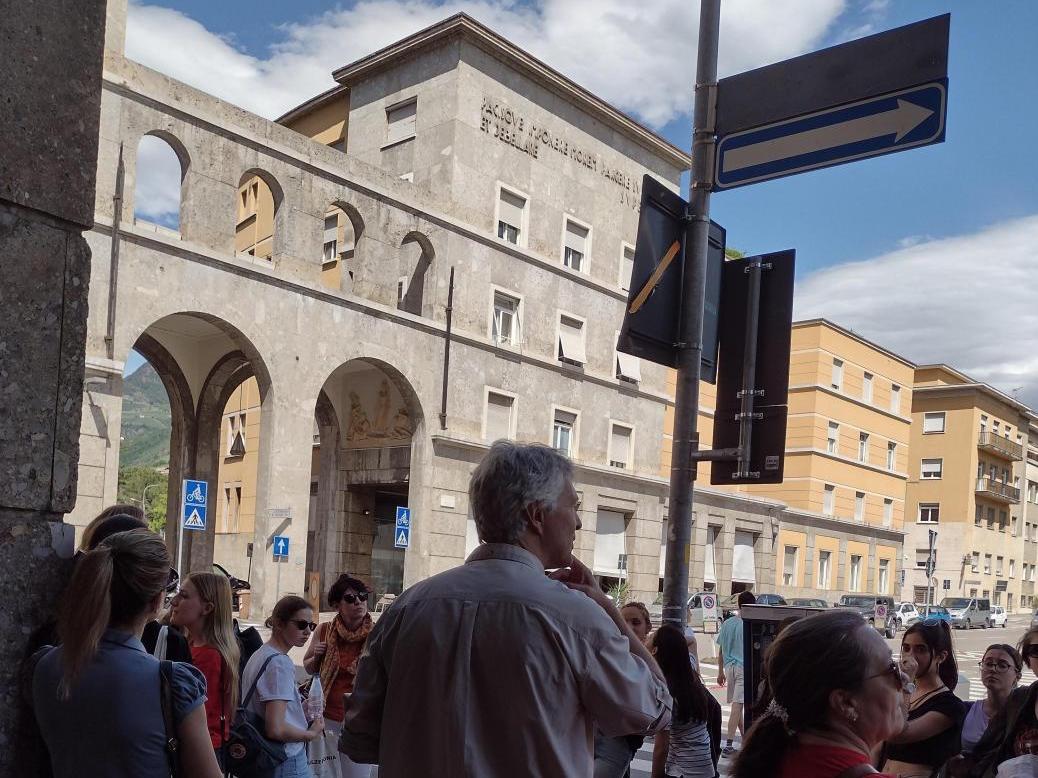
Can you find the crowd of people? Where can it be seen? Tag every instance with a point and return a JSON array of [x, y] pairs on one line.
[[514, 663]]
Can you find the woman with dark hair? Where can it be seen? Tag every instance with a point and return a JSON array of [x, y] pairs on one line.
[[691, 746], [1000, 671], [935, 714], [836, 695]]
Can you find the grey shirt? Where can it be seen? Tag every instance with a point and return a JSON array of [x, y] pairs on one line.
[[278, 682], [493, 669], [111, 724]]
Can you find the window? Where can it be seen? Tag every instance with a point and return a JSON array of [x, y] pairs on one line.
[[859, 506], [575, 245], [610, 542], [506, 329], [931, 468], [863, 447], [331, 238], [933, 422], [1032, 491], [628, 368], [983, 423], [921, 556], [929, 513], [895, 398], [891, 456], [400, 119], [500, 423], [511, 212], [789, 567], [401, 291], [888, 512], [1012, 568], [1003, 519], [987, 564], [975, 562], [236, 435], [884, 576], [626, 267], [571, 341], [231, 508], [620, 436], [855, 585], [832, 443], [562, 431], [998, 565], [837, 380], [866, 387], [824, 559], [828, 499], [991, 518], [994, 426], [978, 516]]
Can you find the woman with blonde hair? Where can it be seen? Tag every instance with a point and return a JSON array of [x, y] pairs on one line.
[[202, 608], [104, 705]]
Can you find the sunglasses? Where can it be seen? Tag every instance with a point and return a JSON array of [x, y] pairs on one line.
[[903, 684], [352, 599], [303, 624]]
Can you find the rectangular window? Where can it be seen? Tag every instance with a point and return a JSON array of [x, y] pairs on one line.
[[921, 555], [863, 447], [574, 248], [929, 513], [994, 426], [401, 121], [987, 564], [975, 562], [933, 422], [884, 576], [832, 443], [983, 423], [931, 469], [855, 585], [998, 565], [331, 238], [866, 387], [1003, 520], [837, 380], [236, 435], [562, 431], [828, 499], [895, 399], [506, 320], [571, 341], [789, 566], [610, 542], [891, 456], [824, 564], [626, 267], [628, 368], [1012, 568], [859, 506], [500, 417], [510, 211], [888, 512], [978, 516], [620, 445]]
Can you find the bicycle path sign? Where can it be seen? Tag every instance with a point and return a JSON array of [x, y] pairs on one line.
[[193, 514]]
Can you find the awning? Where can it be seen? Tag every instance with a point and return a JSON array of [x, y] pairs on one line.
[[628, 366], [571, 344], [610, 541], [709, 576]]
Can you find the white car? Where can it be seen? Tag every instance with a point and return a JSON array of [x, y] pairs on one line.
[[906, 614], [999, 617]]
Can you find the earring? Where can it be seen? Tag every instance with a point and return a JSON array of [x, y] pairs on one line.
[[852, 715]]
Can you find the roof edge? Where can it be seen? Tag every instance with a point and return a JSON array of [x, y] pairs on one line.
[[855, 336], [314, 102]]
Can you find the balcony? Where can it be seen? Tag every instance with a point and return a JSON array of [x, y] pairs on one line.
[[996, 490], [1000, 446]]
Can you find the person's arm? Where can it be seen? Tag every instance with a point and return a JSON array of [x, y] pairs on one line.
[[362, 726], [714, 728], [315, 651], [720, 666], [660, 747], [195, 748], [280, 730], [923, 728]]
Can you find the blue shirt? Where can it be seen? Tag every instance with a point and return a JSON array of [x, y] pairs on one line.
[[111, 724], [730, 641]]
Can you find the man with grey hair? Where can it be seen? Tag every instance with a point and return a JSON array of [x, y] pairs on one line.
[[494, 668]]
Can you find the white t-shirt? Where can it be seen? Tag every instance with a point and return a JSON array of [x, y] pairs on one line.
[[278, 682]]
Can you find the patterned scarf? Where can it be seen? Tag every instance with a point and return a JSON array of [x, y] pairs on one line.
[[342, 639]]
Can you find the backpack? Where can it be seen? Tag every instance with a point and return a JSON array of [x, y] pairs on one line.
[[250, 753]]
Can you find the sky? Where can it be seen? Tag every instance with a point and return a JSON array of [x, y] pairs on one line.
[[932, 253]]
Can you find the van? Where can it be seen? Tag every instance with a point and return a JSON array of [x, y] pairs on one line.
[[865, 604], [968, 612]]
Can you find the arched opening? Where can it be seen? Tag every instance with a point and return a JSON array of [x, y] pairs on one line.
[[366, 419], [160, 168], [259, 198], [343, 228], [416, 256]]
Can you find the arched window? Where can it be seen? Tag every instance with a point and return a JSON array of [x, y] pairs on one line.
[[416, 255], [342, 230], [157, 185], [257, 206]]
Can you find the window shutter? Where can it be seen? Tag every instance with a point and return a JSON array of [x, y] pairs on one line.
[[628, 366], [510, 209], [401, 121], [571, 340], [610, 541], [499, 416], [576, 237], [620, 445]]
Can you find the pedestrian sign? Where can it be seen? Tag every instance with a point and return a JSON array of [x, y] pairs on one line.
[[193, 513], [402, 533], [280, 545]]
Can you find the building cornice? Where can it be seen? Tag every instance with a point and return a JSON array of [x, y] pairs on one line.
[[314, 102], [847, 461], [831, 523], [465, 26], [853, 400], [853, 336], [974, 387]]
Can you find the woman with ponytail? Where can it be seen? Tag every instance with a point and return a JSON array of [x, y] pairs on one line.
[[202, 608], [98, 697], [837, 695], [935, 714]]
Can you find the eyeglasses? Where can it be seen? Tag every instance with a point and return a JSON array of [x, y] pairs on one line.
[[990, 664], [903, 684], [352, 599], [303, 624]]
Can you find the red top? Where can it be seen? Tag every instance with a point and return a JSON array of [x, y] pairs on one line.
[[810, 761], [208, 660], [343, 683]]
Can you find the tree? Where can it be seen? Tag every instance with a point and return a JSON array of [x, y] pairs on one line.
[[133, 481]]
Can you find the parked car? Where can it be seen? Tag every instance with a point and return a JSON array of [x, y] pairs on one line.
[[238, 585], [938, 612], [695, 608], [1034, 618], [968, 612], [906, 614], [770, 599], [865, 604], [999, 617], [808, 602]]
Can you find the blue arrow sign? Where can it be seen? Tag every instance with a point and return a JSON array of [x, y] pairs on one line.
[[896, 121], [280, 546]]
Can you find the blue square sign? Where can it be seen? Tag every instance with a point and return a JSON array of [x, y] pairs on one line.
[[280, 546], [194, 505], [402, 533]]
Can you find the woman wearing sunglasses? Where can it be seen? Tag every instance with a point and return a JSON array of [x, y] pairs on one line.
[[277, 698], [333, 652], [1000, 673], [935, 714]]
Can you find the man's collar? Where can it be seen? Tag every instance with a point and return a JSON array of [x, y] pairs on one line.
[[507, 551]]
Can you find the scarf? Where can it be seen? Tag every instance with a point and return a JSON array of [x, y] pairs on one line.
[[342, 639]]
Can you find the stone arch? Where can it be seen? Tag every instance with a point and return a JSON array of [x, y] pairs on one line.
[[259, 221], [341, 245], [158, 194], [416, 257]]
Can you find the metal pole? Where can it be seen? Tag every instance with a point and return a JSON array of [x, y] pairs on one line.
[[447, 351], [749, 369], [686, 400], [113, 258], [180, 530]]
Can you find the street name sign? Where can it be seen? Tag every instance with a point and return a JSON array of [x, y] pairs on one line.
[[872, 96], [193, 514], [402, 533], [280, 546]]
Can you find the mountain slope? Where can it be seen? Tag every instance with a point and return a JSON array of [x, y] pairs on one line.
[[146, 420]]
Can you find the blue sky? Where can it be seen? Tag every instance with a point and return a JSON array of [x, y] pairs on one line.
[[944, 215]]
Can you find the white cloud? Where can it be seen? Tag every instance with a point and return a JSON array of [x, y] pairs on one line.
[[969, 301], [157, 191]]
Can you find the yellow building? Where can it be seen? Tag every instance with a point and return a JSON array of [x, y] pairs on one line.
[[968, 462], [235, 485]]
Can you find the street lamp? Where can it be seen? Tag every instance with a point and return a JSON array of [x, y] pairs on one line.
[[144, 504]]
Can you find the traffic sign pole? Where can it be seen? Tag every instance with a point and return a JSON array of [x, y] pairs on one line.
[[180, 530], [690, 348]]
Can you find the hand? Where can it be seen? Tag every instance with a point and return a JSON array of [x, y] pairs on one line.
[[316, 727], [575, 573], [721, 680], [320, 649]]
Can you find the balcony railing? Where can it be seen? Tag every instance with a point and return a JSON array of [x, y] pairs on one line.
[[1000, 446], [997, 490]]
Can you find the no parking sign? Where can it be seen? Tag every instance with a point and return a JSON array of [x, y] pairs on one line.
[[709, 607]]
